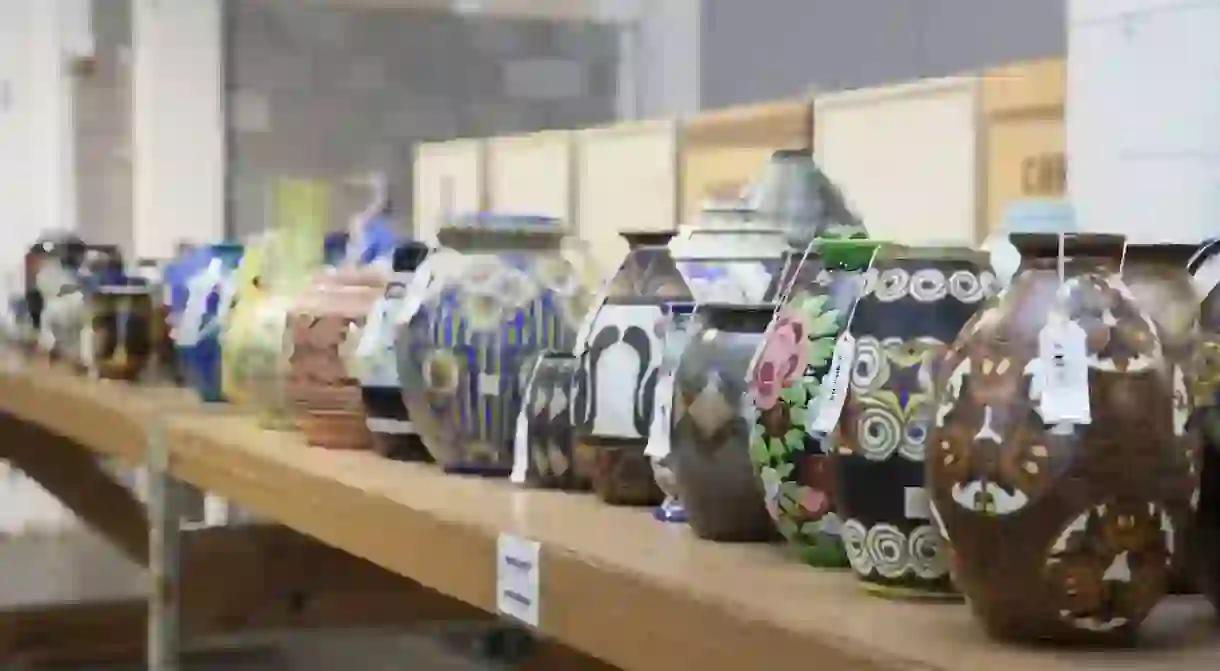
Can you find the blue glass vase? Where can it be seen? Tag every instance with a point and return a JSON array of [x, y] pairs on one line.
[[198, 308]]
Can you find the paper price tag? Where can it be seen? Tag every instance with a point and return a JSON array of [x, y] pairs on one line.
[[521, 448], [658, 431], [834, 386], [1065, 373], [517, 578]]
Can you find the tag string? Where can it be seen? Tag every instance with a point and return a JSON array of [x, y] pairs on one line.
[[851, 314]]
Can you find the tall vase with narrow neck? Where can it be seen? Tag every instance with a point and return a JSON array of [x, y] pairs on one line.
[[615, 384], [794, 194], [1060, 462], [512, 288]]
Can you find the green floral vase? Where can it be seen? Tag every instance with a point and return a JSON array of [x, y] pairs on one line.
[[792, 463]]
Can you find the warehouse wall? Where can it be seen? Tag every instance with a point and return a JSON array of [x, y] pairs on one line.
[[765, 49], [325, 93]]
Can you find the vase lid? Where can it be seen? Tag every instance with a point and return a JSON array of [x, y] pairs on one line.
[[1038, 215], [647, 238], [493, 232], [795, 194], [409, 255]]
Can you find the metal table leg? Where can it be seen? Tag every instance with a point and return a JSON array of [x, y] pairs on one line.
[[164, 501]]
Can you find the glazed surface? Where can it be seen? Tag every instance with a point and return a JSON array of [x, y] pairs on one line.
[[1063, 531]]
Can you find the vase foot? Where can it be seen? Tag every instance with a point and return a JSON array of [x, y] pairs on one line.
[[899, 593]]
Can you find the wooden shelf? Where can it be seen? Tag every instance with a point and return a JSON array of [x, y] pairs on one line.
[[615, 583]]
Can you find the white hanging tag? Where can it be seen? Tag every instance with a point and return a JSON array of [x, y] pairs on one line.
[[521, 448], [86, 344], [658, 432], [1005, 258], [833, 393], [414, 294], [1065, 370]]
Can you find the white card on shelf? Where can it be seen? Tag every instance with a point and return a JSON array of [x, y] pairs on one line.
[[1065, 372], [834, 386], [518, 577]]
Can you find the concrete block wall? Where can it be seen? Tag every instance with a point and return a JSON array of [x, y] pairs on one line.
[[325, 93]]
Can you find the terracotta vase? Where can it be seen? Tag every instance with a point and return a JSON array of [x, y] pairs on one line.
[[505, 289], [710, 435], [544, 449], [616, 381], [913, 303], [1205, 271], [376, 366], [324, 327], [793, 463], [1163, 288], [118, 330], [1063, 531]]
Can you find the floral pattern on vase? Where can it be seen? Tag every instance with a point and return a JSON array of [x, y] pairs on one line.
[[786, 388], [1083, 517]]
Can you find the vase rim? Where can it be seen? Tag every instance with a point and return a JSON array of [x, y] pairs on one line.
[[943, 251], [1074, 244]]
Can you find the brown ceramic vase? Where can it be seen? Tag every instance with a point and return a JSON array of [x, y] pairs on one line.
[[324, 328], [1158, 277], [120, 320], [1063, 532], [1205, 269]]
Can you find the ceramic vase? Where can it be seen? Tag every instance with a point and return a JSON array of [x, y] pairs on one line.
[[63, 250], [710, 434], [792, 462], [1205, 273], [324, 328], [504, 292], [274, 271], [544, 447], [1062, 529], [118, 329], [913, 303], [394, 434], [199, 318], [792, 193], [726, 259], [1163, 288], [616, 382]]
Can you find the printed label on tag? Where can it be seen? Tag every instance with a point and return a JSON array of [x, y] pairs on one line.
[[658, 431], [1064, 361], [86, 345], [916, 504], [834, 386], [518, 577]]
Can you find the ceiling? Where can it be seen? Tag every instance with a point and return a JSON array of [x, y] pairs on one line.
[[560, 10]]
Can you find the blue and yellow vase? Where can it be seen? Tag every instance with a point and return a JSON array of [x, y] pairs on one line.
[[503, 289]]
